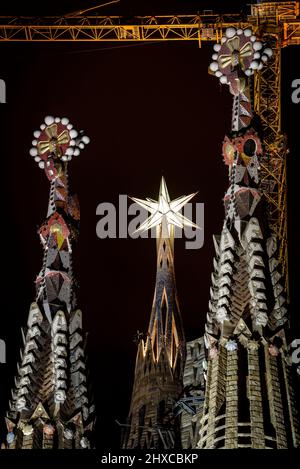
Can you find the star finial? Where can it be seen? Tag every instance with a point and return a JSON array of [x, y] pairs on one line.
[[164, 211]]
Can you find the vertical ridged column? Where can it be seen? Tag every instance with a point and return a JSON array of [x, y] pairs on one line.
[[47, 441], [211, 397], [67, 443], [231, 422], [193, 380], [291, 403], [200, 442], [275, 399], [255, 398], [216, 391], [38, 435], [27, 442]]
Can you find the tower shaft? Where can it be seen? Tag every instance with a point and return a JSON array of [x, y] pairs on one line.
[[159, 363]]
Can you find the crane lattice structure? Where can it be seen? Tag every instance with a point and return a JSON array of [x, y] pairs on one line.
[[275, 22]]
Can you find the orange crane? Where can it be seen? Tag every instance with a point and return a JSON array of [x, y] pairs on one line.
[[275, 22]]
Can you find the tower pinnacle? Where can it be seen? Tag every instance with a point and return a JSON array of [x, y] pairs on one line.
[[164, 212]]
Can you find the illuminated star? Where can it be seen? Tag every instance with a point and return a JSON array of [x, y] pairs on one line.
[[165, 212]]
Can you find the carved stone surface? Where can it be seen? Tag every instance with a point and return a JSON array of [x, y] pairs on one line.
[[249, 398], [47, 395]]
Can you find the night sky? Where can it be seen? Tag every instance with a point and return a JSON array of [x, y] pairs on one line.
[[149, 109]]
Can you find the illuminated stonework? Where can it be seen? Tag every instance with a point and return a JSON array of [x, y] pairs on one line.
[[161, 354], [249, 398], [190, 405], [50, 406]]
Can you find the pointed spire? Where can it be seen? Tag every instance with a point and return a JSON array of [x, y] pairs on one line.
[[160, 359], [165, 328]]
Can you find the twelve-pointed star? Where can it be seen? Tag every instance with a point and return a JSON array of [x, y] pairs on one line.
[[164, 211]]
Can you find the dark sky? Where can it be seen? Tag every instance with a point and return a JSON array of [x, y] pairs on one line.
[[125, 8], [148, 109]]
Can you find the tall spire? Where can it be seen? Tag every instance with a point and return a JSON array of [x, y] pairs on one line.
[[50, 405], [161, 354], [249, 399]]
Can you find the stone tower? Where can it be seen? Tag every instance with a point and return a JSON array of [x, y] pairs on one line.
[[249, 399], [190, 405], [50, 406], [161, 354]]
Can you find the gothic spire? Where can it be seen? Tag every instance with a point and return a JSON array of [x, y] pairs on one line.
[[161, 356], [165, 330]]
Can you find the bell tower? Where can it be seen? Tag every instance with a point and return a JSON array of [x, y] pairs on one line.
[[50, 406], [249, 398]]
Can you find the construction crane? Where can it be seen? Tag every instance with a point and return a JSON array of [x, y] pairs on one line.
[[277, 23]]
